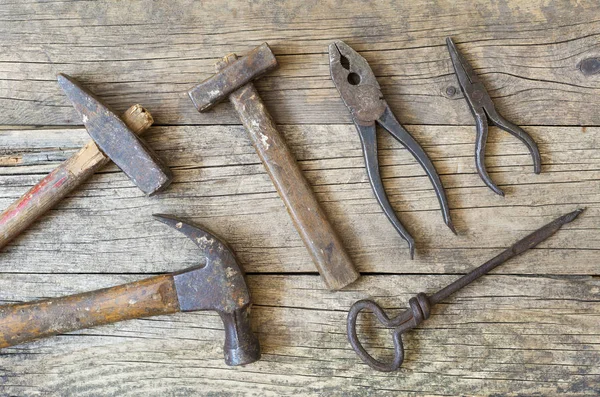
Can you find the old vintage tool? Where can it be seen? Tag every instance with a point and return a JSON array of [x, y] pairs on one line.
[[483, 109], [219, 285], [234, 80], [420, 305], [117, 141], [360, 91], [79, 167]]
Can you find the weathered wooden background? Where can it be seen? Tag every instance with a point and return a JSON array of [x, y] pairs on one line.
[[532, 327]]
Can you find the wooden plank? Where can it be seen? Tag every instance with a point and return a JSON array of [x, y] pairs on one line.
[[504, 334], [220, 183], [530, 328], [527, 53]]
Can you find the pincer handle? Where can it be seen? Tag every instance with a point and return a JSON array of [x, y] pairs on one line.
[[410, 318]]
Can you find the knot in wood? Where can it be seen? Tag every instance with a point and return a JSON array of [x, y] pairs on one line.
[[590, 66]]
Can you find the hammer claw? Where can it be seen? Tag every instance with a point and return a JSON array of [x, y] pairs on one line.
[[219, 286], [210, 244]]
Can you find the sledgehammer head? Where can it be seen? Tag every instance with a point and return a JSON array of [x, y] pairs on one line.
[[219, 285], [218, 87]]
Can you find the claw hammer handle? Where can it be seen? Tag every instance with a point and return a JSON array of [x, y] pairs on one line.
[[60, 182], [24, 322], [325, 247]]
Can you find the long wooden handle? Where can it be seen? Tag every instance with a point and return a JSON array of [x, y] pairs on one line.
[[325, 247], [25, 322], [60, 182]]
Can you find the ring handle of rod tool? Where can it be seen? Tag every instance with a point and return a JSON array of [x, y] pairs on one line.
[[418, 311]]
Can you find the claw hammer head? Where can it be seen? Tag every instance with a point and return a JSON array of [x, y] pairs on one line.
[[116, 140], [219, 285], [236, 74]]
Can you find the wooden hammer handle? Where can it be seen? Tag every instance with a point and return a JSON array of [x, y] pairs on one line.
[[325, 247], [25, 322], [60, 182]]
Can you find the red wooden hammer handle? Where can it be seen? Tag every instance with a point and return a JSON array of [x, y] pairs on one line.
[[60, 182]]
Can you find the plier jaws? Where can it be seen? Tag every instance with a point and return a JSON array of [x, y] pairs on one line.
[[484, 111], [361, 93]]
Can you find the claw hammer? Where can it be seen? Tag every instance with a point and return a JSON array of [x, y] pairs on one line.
[[113, 138], [234, 80], [219, 285]]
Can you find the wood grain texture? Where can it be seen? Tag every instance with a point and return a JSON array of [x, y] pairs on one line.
[[504, 335], [527, 52], [63, 179], [537, 312], [530, 328], [24, 322], [318, 235]]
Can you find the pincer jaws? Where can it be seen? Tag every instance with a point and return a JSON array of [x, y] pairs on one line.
[[356, 83]]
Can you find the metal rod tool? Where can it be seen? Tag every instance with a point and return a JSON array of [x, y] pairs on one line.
[[420, 306]]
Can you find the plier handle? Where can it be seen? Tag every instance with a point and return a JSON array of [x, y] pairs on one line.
[[362, 95], [483, 109]]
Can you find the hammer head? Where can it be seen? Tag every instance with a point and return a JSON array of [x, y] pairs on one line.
[[219, 285], [116, 140], [238, 73]]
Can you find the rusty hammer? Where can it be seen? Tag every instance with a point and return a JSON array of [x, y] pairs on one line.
[[219, 285], [113, 138], [234, 80]]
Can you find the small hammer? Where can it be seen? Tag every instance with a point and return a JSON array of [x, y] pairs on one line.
[[113, 138], [234, 80], [219, 285]]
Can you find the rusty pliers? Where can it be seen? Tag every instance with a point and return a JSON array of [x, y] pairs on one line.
[[361, 93], [483, 109]]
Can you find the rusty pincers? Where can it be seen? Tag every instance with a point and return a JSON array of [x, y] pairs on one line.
[[360, 91]]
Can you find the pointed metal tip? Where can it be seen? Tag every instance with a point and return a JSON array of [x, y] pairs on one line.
[[64, 81], [167, 219], [333, 51], [192, 231], [535, 154], [411, 248], [494, 188], [451, 227], [73, 89], [544, 232], [451, 46], [571, 216]]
